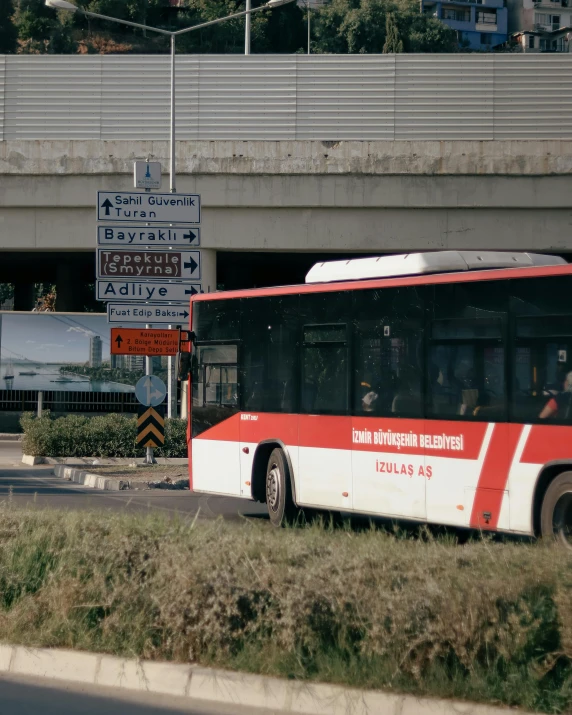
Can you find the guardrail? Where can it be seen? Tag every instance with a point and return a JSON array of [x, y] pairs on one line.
[[64, 401]]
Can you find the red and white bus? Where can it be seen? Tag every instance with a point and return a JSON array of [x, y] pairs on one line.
[[433, 387]]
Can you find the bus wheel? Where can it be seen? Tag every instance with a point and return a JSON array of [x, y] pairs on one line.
[[278, 489], [556, 513]]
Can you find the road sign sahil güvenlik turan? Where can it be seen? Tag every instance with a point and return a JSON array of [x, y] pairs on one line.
[[131, 206]]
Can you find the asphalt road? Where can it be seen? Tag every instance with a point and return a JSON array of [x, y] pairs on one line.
[[35, 696], [36, 485]]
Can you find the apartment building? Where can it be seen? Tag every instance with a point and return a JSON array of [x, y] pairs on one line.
[[480, 24], [541, 26]]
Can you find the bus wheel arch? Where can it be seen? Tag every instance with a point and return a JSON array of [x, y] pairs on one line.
[[546, 478], [259, 467]]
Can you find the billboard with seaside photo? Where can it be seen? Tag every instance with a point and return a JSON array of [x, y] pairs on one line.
[[65, 351]]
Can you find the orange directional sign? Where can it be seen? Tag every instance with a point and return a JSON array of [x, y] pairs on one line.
[[139, 341]]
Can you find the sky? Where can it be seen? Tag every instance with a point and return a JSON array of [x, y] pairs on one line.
[[51, 337]]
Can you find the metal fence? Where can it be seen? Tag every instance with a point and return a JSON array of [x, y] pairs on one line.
[[282, 97], [60, 401]]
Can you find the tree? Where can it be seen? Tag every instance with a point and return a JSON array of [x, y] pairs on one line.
[[427, 34], [393, 42], [364, 26], [8, 32], [6, 292]]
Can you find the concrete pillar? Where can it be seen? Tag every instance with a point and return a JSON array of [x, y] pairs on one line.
[[208, 270], [69, 292], [24, 296]]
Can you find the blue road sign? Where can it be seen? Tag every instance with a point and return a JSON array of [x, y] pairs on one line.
[[150, 391]]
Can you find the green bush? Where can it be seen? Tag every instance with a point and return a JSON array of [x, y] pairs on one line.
[[102, 436]]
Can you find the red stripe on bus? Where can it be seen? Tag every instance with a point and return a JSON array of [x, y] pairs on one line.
[[547, 443], [494, 475], [426, 279], [439, 438]]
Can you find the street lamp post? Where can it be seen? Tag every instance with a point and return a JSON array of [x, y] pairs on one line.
[[270, 5]]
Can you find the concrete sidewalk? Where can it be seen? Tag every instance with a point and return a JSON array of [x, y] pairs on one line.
[[224, 687]]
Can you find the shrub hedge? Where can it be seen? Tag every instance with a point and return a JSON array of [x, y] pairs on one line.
[[101, 436]]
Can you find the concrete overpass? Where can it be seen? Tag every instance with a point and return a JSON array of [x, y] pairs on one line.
[[385, 159]]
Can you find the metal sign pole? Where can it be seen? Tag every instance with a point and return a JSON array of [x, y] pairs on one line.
[[171, 387], [149, 459], [173, 180]]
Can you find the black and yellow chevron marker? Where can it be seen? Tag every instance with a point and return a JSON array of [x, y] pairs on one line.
[[151, 426]]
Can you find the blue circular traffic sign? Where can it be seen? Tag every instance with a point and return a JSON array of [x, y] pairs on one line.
[[150, 391]]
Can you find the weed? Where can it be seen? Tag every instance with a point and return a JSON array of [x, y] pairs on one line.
[[485, 621]]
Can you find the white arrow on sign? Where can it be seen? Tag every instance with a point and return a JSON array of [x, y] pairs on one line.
[[152, 393], [126, 206], [134, 263], [151, 236], [150, 390], [154, 313], [138, 291]]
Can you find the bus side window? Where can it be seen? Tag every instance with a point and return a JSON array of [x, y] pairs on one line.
[[541, 311], [388, 353], [325, 369], [268, 354], [466, 357], [542, 389], [214, 386]]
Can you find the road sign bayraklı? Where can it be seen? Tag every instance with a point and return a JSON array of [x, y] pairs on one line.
[[149, 236], [150, 426], [150, 390], [142, 341]]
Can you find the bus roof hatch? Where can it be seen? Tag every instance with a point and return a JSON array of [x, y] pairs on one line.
[[411, 264]]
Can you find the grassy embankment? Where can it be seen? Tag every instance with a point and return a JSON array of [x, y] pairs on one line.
[[484, 621]]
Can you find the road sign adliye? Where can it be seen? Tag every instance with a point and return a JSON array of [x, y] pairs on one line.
[[148, 207], [150, 390], [154, 313], [140, 341], [134, 264], [151, 236], [150, 426], [133, 291]]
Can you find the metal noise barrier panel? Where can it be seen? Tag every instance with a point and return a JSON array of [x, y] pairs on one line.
[[287, 97]]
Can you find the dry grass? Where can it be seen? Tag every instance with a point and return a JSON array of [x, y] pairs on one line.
[[484, 621]]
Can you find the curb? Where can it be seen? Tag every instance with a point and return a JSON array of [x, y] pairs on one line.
[[90, 480], [10, 437], [224, 687]]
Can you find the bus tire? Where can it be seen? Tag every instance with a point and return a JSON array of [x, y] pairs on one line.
[[556, 512], [279, 489]]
